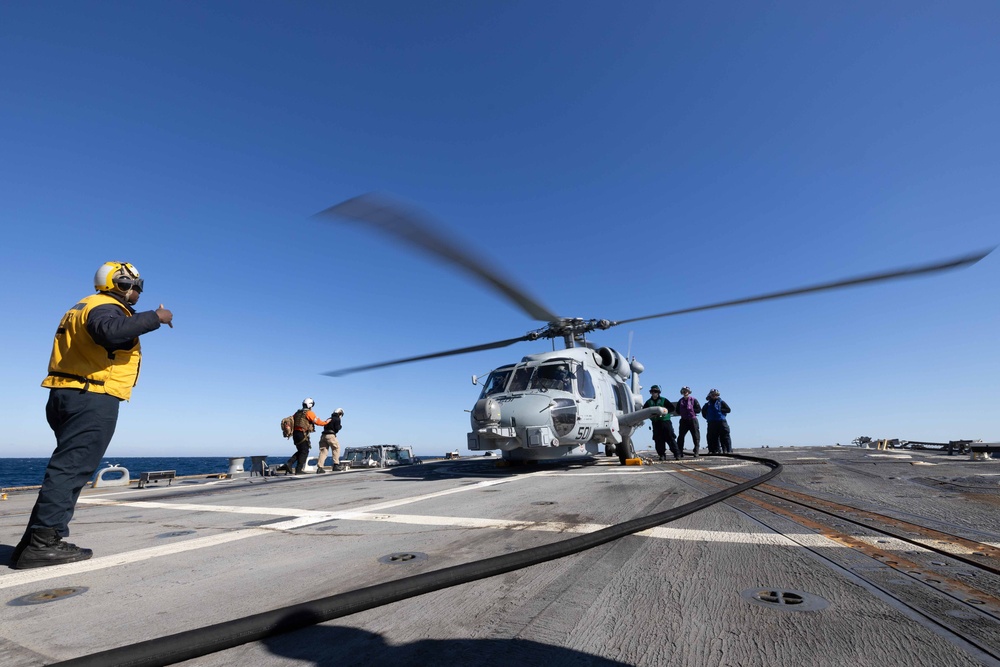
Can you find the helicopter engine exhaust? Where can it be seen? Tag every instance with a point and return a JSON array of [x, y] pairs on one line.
[[614, 362]]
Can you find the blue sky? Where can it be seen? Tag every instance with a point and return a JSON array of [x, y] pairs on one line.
[[615, 159]]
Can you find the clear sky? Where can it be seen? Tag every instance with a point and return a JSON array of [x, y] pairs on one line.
[[615, 159]]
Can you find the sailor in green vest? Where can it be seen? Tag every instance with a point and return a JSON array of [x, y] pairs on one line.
[[93, 367], [663, 430]]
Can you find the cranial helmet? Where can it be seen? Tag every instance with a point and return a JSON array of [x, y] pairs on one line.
[[339, 411], [308, 403], [685, 390], [655, 387], [714, 393], [117, 276]]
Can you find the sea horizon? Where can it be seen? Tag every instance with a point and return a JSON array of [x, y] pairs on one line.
[[16, 472]]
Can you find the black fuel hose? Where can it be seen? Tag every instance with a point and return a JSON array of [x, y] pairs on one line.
[[209, 639]]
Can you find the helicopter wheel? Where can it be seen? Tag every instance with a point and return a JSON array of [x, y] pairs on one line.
[[609, 449], [625, 450]]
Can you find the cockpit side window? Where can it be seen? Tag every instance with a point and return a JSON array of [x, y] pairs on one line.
[[496, 382], [584, 383], [621, 399]]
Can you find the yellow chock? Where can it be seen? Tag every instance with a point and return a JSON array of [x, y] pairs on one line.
[[3, 496], [633, 462]]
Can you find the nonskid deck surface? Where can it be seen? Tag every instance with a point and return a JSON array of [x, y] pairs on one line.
[[804, 570]]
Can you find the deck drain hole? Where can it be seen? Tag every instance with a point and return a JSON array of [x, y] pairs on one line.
[[937, 562], [402, 557], [176, 533], [975, 601], [50, 595], [778, 598], [544, 502]]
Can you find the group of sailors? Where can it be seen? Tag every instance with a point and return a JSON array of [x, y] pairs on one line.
[[714, 413]]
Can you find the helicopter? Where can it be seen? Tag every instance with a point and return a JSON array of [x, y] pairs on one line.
[[572, 402]]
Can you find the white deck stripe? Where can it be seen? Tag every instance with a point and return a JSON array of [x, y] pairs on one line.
[[304, 518]]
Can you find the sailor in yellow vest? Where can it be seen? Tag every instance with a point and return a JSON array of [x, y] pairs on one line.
[[94, 365]]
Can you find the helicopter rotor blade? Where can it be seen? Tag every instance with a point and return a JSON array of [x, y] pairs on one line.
[[435, 355], [412, 228], [947, 265]]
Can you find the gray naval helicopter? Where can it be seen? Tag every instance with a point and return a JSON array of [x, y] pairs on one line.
[[565, 403]]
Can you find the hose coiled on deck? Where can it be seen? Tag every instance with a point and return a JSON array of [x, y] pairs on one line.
[[209, 639]]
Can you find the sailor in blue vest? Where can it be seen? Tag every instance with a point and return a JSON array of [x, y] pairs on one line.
[[714, 411]]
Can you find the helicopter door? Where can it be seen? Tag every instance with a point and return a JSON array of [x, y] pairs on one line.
[[587, 406]]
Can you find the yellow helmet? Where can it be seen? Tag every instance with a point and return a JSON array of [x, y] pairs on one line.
[[119, 276]]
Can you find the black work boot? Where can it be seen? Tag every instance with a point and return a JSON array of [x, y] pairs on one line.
[[18, 550], [46, 548]]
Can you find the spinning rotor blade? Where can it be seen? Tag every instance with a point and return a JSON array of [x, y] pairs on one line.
[[435, 355], [959, 262], [412, 228]]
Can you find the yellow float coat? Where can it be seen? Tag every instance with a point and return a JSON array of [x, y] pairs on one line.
[[78, 362]]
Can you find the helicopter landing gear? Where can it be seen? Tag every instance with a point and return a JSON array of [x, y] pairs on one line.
[[609, 449], [625, 451]]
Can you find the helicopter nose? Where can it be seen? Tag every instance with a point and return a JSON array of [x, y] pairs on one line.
[[486, 411]]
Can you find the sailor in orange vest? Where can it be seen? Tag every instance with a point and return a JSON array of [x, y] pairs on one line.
[[305, 421], [93, 367]]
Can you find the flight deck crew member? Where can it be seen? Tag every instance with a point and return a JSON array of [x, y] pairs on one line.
[[663, 430], [305, 422], [93, 367], [714, 412], [689, 409], [328, 441]]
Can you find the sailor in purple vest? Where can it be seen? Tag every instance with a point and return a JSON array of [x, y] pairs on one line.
[[688, 408], [714, 412]]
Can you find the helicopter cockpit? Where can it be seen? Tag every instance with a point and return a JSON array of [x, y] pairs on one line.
[[553, 376], [558, 376], [497, 381]]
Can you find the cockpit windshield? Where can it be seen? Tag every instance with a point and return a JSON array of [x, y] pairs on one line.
[[553, 376], [496, 382], [522, 374], [543, 377]]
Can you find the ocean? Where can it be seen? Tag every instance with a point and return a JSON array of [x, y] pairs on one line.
[[30, 472]]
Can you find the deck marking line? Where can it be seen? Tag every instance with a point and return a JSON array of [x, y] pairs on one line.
[[302, 518], [659, 532]]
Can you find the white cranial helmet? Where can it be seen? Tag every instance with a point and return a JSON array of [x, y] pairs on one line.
[[118, 276], [308, 403]]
